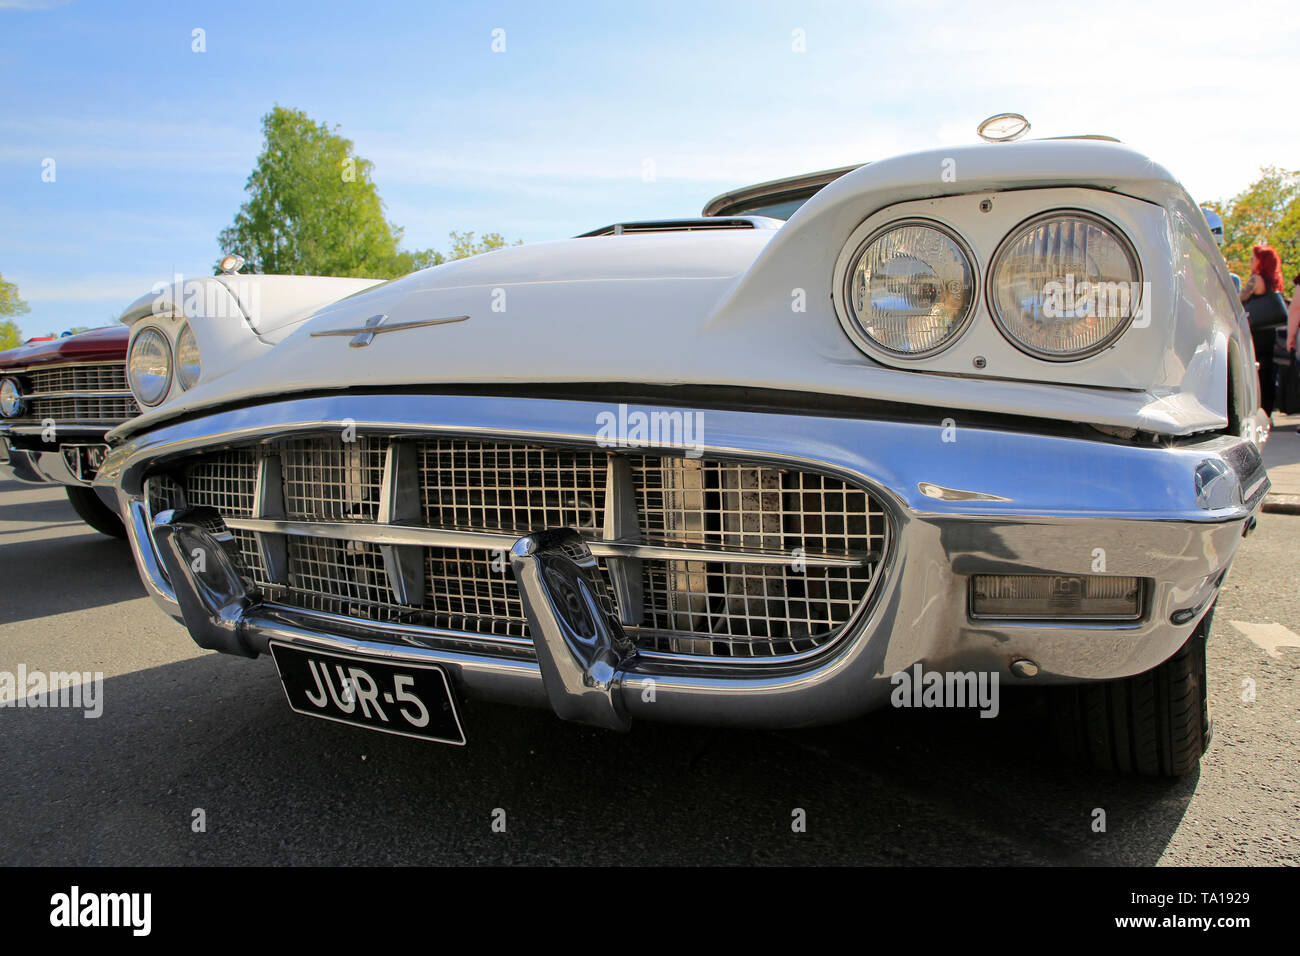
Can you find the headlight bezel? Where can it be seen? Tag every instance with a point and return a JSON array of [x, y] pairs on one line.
[[1126, 244], [166, 352], [846, 267], [20, 401], [178, 365]]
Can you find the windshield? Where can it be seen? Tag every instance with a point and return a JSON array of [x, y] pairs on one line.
[[783, 209], [777, 199]]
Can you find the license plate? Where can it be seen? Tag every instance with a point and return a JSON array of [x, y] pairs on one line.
[[412, 700], [84, 461]]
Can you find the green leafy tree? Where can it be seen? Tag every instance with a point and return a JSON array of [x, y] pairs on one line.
[[313, 208], [10, 335], [1286, 239], [463, 245], [1266, 211], [11, 304]]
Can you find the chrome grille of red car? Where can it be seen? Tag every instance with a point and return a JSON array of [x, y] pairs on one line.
[[780, 559], [90, 393]]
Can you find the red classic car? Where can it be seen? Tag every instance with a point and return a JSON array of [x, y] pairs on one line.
[[58, 398]]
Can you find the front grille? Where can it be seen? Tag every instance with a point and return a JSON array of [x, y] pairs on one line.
[[84, 409], [71, 389], [503, 487], [331, 480], [712, 607]]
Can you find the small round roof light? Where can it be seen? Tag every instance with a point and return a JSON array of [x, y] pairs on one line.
[[1003, 128]]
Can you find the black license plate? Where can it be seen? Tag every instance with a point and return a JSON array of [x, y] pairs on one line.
[[413, 700]]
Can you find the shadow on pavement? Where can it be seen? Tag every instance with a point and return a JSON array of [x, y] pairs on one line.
[[54, 575], [214, 734]]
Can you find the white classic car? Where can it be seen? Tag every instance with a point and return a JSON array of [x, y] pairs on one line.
[[977, 415]]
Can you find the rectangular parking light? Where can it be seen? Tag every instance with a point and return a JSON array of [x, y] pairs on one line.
[[1055, 597]]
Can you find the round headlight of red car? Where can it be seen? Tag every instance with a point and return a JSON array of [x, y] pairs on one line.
[[11, 399]]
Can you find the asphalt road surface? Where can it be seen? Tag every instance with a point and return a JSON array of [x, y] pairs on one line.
[[184, 731]]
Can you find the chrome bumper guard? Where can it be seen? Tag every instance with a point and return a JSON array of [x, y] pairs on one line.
[[580, 644], [1171, 514], [201, 568], [581, 647]]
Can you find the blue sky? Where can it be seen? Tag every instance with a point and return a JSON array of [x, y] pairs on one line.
[[153, 142]]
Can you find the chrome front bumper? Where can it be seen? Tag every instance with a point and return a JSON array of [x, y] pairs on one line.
[[46, 465], [962, 500]]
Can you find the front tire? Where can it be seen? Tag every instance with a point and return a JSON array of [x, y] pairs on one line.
[[1156, 724], [95, 513]]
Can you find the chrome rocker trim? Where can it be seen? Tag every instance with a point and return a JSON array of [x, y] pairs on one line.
[[1172, 514]]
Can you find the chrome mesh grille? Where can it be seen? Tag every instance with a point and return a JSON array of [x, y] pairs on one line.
[[762, 508], [327, 479], [505, 487], [474, 591], [341, 577], [698, 608], [225, 484], [98, 409]]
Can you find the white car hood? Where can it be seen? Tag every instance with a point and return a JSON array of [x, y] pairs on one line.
[[718, 307]]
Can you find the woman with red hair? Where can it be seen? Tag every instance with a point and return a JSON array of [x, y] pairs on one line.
[[1262, 296]]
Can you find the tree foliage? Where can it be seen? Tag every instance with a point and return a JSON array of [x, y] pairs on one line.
[[1266, 211], [313, 209], [11, 304], [463, 245], [10, 335]]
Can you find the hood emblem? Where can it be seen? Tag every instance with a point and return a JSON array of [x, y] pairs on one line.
[[374, 325]]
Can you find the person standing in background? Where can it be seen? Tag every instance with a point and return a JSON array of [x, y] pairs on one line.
[[1293, 315], [1261, 294], [1292, 326]]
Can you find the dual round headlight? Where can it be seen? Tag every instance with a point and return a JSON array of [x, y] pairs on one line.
[[1061, 287], [151, 364], [188, 364], [911, 288], [1064, 286]]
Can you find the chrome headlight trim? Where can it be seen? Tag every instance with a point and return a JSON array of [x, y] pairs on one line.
[[12, 404], [846, 265], [179, 363], [990, 285], [166, 351]]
